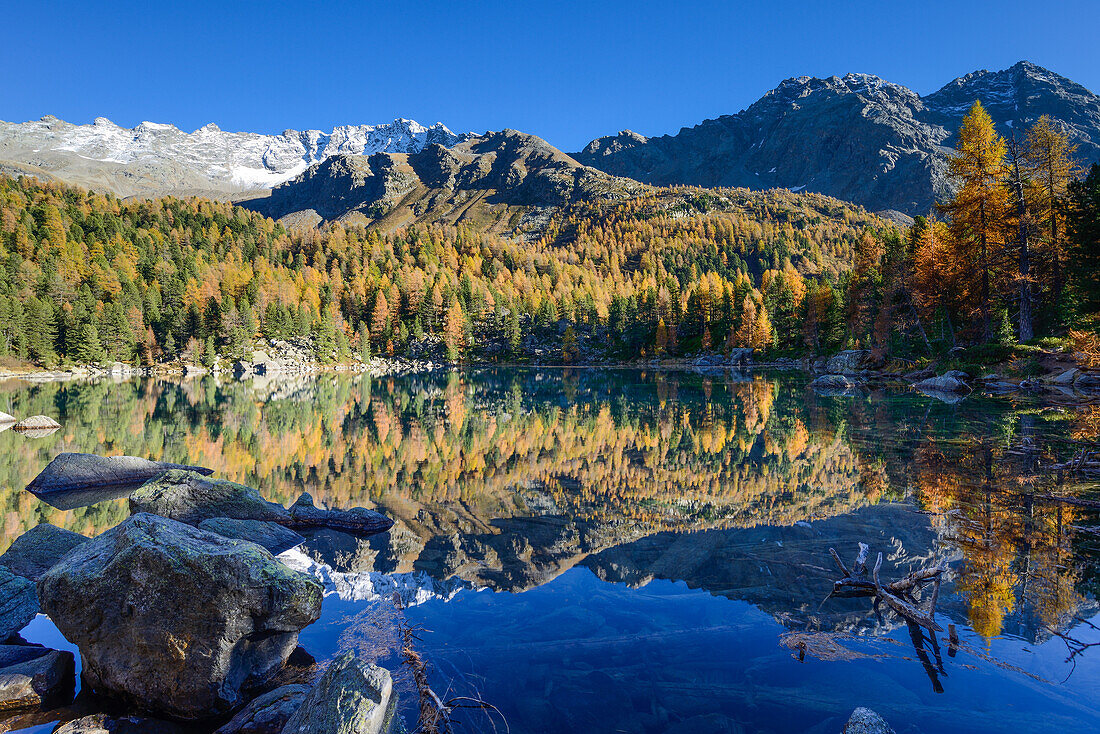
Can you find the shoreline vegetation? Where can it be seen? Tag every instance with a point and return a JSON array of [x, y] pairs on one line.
[[1006, 264]]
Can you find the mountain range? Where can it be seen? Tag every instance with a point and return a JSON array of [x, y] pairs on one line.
[[154, 159], [857, 138]]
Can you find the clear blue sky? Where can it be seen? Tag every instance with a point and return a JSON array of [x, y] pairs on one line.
[[566, 71]]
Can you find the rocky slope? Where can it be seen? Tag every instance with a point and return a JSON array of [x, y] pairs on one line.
[[153, 159], [501, 181], [858, 138]]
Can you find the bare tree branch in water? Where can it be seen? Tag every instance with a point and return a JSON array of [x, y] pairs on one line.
[[1073, 645], [436, 715]]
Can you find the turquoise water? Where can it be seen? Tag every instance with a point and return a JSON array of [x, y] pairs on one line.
[[633, 551]]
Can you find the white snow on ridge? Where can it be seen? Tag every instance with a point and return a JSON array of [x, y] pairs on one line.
[[240, 160], [413, 588]]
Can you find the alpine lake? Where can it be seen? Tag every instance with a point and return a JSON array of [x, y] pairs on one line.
[[633, 550]]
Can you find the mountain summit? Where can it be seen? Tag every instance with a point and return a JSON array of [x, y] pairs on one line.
[[504, 181], [856, 137]]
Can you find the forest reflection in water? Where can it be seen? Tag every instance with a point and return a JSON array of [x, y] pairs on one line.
[[736, 484]]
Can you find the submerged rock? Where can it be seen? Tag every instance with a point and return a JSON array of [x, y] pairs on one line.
[[18, 603], [866, 721], [271, 536], [68, 472], [189, 497], [39, 549], [269, 713], [40, 679], [177, 620], [303, 513], [352, 697]]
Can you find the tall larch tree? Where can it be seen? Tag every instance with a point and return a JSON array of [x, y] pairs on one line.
[[979, 209]]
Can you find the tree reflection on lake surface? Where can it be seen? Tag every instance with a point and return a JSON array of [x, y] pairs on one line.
[[660, 539]]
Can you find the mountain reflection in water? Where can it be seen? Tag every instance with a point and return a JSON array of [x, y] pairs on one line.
[[665, 529]]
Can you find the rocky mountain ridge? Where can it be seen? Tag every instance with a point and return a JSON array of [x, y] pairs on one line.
[[501, 181], [153, 159], [859, 138]]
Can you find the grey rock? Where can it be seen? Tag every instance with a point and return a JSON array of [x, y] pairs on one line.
[[6, 418], [272, 536], [866, 721], [740, 355], [70, 472], [269, 713], [18, 603], [943, 384], [1066, 378], [14, 654], [39, 549], [105, 724], [848, 362], [957, 374], [41, 679], [831, 382], [1087, 381], [191, 498], [177, 620], [352, 697], [357, 520], [918, 375]]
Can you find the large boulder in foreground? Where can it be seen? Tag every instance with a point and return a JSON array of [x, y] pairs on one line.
[[190, 498], [866, 721], [69, 472], [18, 603], [268, 713], [352, 697], [177, 620], [41, 679], [39, 549]]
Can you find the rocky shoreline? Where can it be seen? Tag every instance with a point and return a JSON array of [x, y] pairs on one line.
[[181, 613], [844, 373]]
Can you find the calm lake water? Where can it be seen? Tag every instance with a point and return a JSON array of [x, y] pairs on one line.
[[638, 551]]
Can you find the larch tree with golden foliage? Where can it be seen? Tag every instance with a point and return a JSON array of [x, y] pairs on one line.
[[980, 207]]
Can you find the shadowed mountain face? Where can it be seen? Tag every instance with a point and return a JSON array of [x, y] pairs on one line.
[[497, 181], [858, 138]]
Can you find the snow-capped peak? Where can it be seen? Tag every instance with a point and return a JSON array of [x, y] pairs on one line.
[[233, 161]]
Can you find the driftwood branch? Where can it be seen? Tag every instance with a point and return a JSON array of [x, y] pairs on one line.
[[897, 595]]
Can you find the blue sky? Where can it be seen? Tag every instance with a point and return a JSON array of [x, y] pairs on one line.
[[566, 71]]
